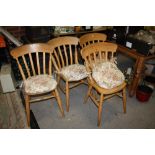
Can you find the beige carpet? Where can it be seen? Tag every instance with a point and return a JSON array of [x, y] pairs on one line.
[[84, 116]]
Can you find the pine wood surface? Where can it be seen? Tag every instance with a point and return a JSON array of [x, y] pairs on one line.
[[32, 68], [90, 38], [100, 51], [65, 54]]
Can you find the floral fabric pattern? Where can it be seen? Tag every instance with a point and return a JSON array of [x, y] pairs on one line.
[[107, 75], [74, 72], [39, 84]]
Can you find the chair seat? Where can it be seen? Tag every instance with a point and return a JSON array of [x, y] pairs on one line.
[[105, 91], [39, 84], [74, 72], [107, 75]]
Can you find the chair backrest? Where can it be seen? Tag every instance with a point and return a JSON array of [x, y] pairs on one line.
[[98, 52], [91, 38], [33, 59], [65, 50]]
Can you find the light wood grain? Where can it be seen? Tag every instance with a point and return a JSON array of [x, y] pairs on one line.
[[91, 38], [24, 54], [101, 52], [65, 54]]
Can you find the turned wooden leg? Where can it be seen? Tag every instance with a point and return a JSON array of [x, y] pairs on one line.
[[59, 102], [100, 110], [88, 94], [27, 102], [124, 99], [67, 96], [132, 85], [137, 75]]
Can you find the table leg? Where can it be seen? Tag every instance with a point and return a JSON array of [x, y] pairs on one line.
[[137, 76]]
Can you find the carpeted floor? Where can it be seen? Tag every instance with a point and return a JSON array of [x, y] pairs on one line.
[[84, 116]]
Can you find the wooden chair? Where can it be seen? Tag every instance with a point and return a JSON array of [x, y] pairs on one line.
[[90, 38], [35, 65], [91, 54], [66, 63]]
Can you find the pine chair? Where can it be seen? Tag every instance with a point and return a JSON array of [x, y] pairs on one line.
[[91, 38], [35, 65], [92, 54], [66, 63]]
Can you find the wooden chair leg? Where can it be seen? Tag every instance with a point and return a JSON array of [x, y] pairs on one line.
[[58, 79], [27, 102], [88, 94], [124, 99], [100, 110], [59, 102], [95, 95], [67, 96]]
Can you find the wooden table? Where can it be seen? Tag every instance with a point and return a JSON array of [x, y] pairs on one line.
[[138, 67]]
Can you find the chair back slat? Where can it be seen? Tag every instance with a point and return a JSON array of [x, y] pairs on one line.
[[44, 64], [26, 66], [94, 57], [55, 63], [61, 57], [66, 56], [32, 64], [57, 58], [71, 56], [38, 63], [21, 70], [89, 62], [100, 55], [50, 64], [91, 38], [76, 55], [65, 50], [106, 55], [33, 59], [98, 51]]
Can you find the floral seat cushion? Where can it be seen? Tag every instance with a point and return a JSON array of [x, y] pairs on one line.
[[107, 75], [74, 72], [39, 84]]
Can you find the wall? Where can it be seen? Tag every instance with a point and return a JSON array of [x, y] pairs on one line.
[[16, 31]]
